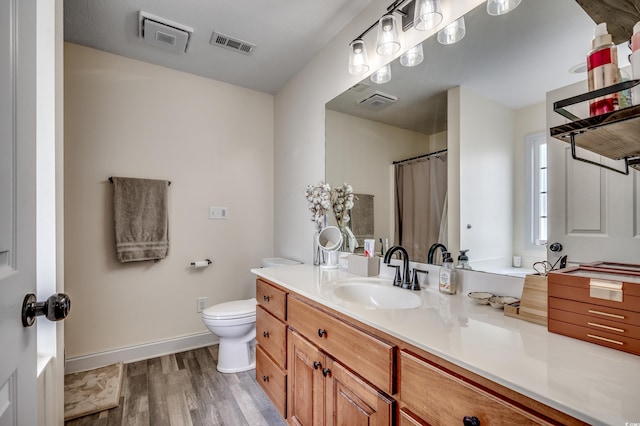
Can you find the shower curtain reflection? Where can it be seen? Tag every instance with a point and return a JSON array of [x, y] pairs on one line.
[[420, 204]]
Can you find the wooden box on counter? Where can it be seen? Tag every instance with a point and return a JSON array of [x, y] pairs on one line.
[[598, 303]]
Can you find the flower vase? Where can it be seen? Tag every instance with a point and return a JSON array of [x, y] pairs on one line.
[[317, 253], [344, 247]]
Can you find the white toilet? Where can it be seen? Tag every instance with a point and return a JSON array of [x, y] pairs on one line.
[[235, 324]]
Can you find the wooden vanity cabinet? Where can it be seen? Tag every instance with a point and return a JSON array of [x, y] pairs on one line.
[[320, 367], [271, 348], [336, 371], [324, 392]]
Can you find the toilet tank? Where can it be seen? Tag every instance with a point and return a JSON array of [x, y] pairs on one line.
[[278, 261]]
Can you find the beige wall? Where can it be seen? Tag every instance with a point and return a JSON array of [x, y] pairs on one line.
[[214, 142], [361, 152], [299, 122]]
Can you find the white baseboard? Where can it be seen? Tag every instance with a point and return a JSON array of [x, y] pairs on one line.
[[140, 352]]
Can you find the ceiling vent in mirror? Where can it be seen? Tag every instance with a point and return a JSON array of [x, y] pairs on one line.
[[378, 101], [231, 43], [164, 33]]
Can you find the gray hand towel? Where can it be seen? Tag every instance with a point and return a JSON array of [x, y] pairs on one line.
[[140, 212]]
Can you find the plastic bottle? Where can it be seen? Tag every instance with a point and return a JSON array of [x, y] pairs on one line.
[[447, 276], [602, 67]]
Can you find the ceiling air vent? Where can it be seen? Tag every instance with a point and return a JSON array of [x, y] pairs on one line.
[[164, 33], [231, 43], [378, 101]]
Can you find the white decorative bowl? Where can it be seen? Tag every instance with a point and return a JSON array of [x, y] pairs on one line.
[[498, 302], [481, 297]]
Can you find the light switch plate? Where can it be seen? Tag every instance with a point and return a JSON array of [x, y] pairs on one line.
[[217, 212]]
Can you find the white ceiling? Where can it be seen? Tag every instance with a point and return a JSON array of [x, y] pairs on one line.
[[287, 34]]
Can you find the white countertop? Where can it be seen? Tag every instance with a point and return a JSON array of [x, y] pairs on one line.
[[592, 383]]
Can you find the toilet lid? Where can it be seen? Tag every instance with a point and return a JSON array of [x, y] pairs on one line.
[[233, 309]]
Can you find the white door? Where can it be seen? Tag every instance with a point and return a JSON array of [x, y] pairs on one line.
[[17, 209], [593, 212]]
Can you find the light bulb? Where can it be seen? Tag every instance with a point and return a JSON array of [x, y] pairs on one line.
[[383, 75], [388, 39], [358, 59], [427, 14], [452, 33], [500, 7], [413, 56]]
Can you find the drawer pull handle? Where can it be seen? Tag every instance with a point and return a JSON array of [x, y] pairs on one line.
[[606, 327], [322, 332], [326, 372], [605, 339], [316, 365], [606, 314], [471, 421], [265, 378], [265, 334], [265, 298]]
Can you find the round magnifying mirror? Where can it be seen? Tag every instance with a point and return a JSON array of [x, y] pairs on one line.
[[330, 240]]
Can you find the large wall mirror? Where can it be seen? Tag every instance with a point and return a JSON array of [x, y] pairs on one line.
[[482, 99]]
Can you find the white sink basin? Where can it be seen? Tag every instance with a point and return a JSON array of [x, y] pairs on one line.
[[371, 293]]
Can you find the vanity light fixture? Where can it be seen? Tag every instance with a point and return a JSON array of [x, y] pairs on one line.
[[388, 42], [427, 14], [413, 56], [500, 7], [358, 59], [388, 39], [383, 75], [452, 33]]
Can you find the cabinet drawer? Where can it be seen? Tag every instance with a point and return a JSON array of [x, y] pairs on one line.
[[271, 334], [368, 356], [599, 337], [596, 311], [272, 380], [407, 418], [439, 397], [602, 287], [597, 324], [272, 299]]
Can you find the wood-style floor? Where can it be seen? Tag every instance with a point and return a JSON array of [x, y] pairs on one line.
[[186, 389]]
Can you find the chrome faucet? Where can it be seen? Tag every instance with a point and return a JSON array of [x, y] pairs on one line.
[[403, 280], [432, 251]]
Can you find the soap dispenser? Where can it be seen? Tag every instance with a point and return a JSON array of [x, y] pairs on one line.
[[463, 260], [447, 276]]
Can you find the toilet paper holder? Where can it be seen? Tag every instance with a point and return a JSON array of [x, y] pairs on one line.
[[201, 263]]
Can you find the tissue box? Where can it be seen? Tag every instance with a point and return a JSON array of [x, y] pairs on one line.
[[365, 266]]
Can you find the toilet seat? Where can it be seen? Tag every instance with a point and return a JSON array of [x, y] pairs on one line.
[[231, 310]]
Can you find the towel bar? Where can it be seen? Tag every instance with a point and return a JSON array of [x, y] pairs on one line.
[[111, 180]]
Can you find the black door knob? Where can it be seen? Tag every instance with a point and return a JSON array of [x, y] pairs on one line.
[[471, 421], [326, 372], [316, 365], [322, 332], [55, 308]]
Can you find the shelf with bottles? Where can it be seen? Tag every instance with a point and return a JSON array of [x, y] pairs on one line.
[[614, 134]]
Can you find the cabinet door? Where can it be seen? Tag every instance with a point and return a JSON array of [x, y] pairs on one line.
[[351, 401], [305, 390]]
